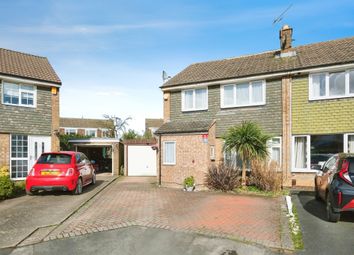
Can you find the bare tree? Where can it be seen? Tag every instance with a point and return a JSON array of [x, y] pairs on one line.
[[119, 124]]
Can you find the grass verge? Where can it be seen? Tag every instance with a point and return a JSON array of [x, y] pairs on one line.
[[295, 230], [253, 190]]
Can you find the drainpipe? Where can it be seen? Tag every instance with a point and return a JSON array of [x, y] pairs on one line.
[[159, 151]]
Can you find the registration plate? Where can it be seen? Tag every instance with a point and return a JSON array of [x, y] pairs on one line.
[[50, 172]]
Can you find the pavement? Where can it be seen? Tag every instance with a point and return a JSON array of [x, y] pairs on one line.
[[319, 235], [23, 216], [141, 240]]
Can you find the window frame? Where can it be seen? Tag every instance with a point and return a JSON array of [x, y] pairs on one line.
[[91, 129], [308, 154], [20, 90], [164, 151], [250, 94], [18, 158], [66, 129], [327, 96], [345, 141], [270, 149], [193, 109]]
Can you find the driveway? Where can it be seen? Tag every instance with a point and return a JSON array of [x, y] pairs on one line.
[[22, 216], [319, 235], [132, 202]]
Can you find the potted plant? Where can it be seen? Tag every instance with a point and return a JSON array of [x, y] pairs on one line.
[[189, 184]]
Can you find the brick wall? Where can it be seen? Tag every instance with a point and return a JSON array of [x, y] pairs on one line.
[[192, 158], [4, 150], [55, 122], [27, 120], [269, 116], [320, 116]]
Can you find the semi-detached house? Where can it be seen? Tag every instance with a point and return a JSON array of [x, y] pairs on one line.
[[303, 96], [29, 110]]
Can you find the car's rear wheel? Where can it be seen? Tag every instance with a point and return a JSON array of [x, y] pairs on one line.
[[93, 182], [78, 189], [317, 194], [331, 215]]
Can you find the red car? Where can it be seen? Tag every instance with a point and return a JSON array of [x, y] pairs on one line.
[[64, 171]]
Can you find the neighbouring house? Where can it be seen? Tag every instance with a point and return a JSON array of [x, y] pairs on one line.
[[87, 127], [29, 110], [151, 125], [303, 96]]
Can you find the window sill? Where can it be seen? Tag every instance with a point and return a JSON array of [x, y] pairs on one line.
[[330, 97], [242, 106], [168, 164], [20, 105], [196, 110], [304, 171]]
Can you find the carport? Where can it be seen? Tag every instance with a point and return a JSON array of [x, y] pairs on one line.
[[107, 153]]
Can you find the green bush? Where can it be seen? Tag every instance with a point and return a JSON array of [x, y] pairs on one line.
[[6, 187], [19, 187], [223, 177]]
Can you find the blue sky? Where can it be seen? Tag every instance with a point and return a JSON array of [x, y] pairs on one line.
[[110, 54]]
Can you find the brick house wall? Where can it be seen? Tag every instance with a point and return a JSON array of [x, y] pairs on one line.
[[55, 122], [4, 150]]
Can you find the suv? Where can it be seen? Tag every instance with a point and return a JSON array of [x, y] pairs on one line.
[[334, 184], [65, 171]]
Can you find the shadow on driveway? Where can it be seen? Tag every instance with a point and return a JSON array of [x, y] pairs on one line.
[[318, 208], [86, 189]]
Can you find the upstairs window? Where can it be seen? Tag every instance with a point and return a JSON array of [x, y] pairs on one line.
[[15, 94], [70, 131], [331, 85], [195, 99], [243, 94], [91, 132]]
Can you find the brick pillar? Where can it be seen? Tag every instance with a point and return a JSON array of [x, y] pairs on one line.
[[4, 150], [166, 106], [55, 120], [286, 120]]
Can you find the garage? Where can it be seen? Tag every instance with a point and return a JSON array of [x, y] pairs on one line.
[[140, 157], [106, 154]]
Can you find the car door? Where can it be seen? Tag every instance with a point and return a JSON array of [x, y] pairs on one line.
[[88, 169], [80, 166], [327, 172]]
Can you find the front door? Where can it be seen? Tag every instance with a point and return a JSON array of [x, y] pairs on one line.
[[36, 146]]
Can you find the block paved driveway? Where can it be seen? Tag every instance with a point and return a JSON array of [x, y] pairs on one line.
[[135, 201]]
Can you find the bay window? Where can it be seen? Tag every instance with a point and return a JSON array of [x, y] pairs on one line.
[[331, 85], [243, 94], [16, 94], [195, 99]]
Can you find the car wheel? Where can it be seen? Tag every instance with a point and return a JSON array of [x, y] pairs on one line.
[[78, 189], [317, 194], [331, 215], [93, 182]]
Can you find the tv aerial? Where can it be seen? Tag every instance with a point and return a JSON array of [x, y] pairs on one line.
[[280, 17], [165, 77]]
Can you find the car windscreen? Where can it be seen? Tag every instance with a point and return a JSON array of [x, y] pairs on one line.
[[54, 158]]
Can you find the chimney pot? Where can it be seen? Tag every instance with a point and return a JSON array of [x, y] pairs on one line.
[[285, 36]]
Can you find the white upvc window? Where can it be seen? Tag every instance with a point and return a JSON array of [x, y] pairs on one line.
[[331, 85], [349, 143], [301, 153], [169, 153], [275, 149], [91, 132], [70, 131], [243, 94], [19, 156], [19, 94], [195, 99]]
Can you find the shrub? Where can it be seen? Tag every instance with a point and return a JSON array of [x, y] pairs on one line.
[[4, 171], [189, 181], [265, 175], [223, 177], [19, 187], [6, 187]]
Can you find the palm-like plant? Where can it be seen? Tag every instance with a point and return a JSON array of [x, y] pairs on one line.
[[249, 142]]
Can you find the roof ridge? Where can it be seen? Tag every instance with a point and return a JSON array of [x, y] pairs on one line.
[[324, 42], [23, 53]]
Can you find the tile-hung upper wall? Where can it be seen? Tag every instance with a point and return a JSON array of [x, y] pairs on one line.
[[327, 116], [268, 116], [27, 120]]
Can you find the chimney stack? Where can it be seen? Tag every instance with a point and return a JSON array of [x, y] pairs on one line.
[[285, 36]]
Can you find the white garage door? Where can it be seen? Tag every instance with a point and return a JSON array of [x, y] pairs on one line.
[[141, 161]]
